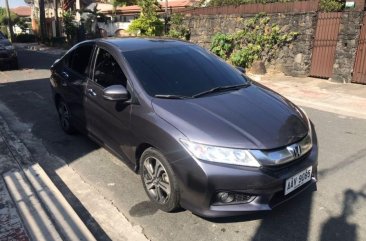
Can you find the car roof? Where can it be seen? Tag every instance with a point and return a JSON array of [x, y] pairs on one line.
[[133, 44]]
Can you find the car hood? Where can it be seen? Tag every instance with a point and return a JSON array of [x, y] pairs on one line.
[[253, 118]]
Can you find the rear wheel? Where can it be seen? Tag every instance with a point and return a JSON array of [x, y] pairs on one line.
[[159, 180], [64, 115], [15, 65]]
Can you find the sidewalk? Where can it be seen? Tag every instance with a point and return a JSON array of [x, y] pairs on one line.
[[343, 99], [41, 48], [31, 207]]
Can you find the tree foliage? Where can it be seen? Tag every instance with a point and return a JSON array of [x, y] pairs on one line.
[[331, 5], [177, 27], [148, 23], [239, 2], [15, 19], [258, 40], [69, 25]]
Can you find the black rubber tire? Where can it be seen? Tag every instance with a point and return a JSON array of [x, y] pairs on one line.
[[15, 65], [172, 203], [65, 121]]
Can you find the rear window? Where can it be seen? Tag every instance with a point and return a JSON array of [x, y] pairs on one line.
[[183, 70]]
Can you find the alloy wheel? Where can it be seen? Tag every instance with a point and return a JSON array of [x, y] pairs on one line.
[[156, 180], [64, 115]]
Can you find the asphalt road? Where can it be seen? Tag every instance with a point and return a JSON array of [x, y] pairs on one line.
[[336, 211]]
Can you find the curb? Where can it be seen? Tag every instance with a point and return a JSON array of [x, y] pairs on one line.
[[34, 217], [45, 212]]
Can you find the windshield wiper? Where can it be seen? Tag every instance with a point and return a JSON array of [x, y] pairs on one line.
[[172, 96], [221, 89]]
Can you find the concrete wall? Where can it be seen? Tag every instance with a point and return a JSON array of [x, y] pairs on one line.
[[292, 60]]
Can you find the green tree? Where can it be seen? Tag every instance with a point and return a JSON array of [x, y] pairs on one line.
[[177, 27], [257, 40], [148, 23], [4, 17], [15, 19], [331, 5], [69, 25]]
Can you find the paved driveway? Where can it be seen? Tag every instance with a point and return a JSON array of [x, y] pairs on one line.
[[337, 211]]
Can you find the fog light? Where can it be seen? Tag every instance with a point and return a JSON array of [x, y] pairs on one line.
[[225, 197], [240, 197]]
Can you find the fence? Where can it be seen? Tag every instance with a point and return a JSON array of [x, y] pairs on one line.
[[252, 8], [326, 45], [287, 7]]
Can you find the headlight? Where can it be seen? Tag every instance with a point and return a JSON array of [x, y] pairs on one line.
[[308, 120], [220, 154], [9, 47]]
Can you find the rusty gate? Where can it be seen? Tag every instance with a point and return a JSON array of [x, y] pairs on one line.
[[359, 69], [325, 44]]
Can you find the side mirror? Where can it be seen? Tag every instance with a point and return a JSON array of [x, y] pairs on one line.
[[116, 93], [242, 70]]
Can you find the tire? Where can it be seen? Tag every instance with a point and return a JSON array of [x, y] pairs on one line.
[[15, 65], [64, 115], [159, 180]]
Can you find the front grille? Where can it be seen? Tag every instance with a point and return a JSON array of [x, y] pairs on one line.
[[279, 170]]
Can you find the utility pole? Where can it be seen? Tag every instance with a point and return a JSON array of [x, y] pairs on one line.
[[57, 21], [166, 17], [42, 20], [10, 25]]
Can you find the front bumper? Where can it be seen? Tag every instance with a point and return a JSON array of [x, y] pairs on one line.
[[201, 181]]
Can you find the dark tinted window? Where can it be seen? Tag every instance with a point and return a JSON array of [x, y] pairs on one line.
[[107, 71], [2, 36], [78, 60], [183, 70]]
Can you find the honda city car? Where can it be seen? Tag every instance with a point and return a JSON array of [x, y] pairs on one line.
[[8, 55], [202, 134]]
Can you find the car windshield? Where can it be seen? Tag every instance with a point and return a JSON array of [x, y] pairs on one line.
[[184, 71]]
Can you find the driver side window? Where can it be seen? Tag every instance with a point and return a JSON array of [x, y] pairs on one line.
[[107, 70]]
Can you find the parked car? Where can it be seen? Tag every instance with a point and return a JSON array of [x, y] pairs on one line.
[[202, 135], [8, 55]]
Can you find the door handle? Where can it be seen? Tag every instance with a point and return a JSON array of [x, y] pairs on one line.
[[91, 92], [65, 74]]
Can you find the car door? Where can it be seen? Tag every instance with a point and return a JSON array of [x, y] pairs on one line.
[[73, 75], [109, 120]]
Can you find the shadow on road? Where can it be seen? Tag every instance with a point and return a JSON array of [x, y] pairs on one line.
[[30, 103], [291, 221], [340, 228], [39, 60]]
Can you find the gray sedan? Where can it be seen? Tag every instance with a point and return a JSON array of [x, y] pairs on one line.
[[202, 135]]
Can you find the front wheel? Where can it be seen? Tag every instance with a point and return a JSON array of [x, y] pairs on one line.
[[159, 180]]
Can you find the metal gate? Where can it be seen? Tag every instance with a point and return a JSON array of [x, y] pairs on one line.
[[325, 44], [359, 69]]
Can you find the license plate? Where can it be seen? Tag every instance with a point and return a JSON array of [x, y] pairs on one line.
[[298, 180]]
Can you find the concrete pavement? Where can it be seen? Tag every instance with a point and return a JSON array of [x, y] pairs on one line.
[[343, 99]]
